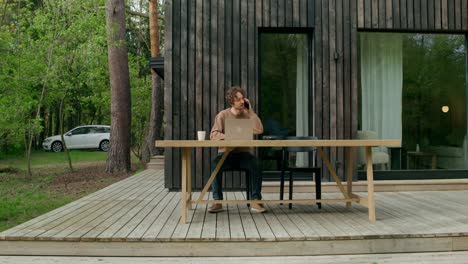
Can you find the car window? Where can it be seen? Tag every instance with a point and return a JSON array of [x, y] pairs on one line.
[[80, 131], [100, 130], [107, 129], [93, 130]]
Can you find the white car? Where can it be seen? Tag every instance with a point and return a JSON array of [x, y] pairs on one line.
[[82, 137]]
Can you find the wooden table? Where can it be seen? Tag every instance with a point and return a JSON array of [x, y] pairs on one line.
[[348, 195]]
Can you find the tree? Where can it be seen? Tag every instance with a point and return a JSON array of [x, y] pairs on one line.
[[118, 159], [157, 95]]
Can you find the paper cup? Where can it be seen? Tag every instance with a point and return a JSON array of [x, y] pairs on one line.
[[201, 135]]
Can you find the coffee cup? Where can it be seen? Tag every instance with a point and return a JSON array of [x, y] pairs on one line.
[[201, 135]]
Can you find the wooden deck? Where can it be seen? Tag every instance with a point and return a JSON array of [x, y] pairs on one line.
[[138, 217]]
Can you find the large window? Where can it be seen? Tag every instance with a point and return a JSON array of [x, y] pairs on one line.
[[413, 88], [284, 84], [285, 87]]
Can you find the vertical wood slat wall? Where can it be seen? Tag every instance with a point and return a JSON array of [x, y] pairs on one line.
[[212, 44]]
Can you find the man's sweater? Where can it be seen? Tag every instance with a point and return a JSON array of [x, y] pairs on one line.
[[217, 131]]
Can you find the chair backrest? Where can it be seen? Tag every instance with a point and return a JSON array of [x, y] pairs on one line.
[[301, 149], [376, 152], [366, 134]]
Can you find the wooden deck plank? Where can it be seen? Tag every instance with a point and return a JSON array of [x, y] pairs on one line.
[[263, 228], [222, 223], [169, 227], [105, 218], [161, 220], [196, 225], [124, 225], [235, 221], [306, 228], [359, 220], [392, 217], [454, 197], [436, 222], [450, 216], [399, 215], [395, 258], [180, 232], [209, 227], [247, 221], [312, 221], [357, 223], [101, 205], [357, 217], [49, 228], [414, 222], [141, 209], [34, 223], [294, 233], [137, 233], [324, 217]]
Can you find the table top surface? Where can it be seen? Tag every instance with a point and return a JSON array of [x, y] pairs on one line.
[[280, 143]]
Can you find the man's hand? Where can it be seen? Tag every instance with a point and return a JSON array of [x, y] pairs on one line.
[[247, 104]]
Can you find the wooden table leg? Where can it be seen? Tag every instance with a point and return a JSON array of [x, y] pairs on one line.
[[213, 174], [332, 172], [350, 166], [189, 178], [370, 185], [185, 157]]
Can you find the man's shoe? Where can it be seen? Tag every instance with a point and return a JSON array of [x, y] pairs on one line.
[[215, 208], [257, 208]]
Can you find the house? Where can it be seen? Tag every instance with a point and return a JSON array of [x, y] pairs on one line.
[[326, 68]]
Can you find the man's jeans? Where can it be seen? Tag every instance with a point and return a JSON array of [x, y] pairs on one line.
[[243, 160]]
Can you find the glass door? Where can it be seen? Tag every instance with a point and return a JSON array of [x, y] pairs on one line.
[[285, 91]]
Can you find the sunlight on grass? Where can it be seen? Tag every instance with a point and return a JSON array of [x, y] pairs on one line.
[[42, 158]]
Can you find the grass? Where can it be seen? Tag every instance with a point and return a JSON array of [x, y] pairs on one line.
[[52, 184], [41, 158], [21, 201]]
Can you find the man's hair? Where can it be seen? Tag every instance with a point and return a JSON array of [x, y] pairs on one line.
[[231, 94]]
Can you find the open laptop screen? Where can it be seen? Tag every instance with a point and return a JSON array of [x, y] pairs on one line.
[[238, 129]]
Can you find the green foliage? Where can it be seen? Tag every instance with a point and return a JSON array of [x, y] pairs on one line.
[[60, 47], [434, 76]]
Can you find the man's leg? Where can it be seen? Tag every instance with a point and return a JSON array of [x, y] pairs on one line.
[[250, 162], [216, 186]]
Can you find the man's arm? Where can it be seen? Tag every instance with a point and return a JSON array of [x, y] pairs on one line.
[[257, 123], [217, 131]]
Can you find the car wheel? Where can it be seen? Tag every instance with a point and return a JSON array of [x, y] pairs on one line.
[[104, 145], [56, 146]]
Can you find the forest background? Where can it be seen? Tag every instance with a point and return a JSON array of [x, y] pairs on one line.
[[54, 60]]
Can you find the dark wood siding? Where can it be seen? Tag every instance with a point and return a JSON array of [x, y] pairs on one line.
[[213, 44]]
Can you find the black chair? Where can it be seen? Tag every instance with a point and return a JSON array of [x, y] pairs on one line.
[[271, 153], [291, 169]]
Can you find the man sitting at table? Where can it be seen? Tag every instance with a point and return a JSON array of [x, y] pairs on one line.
[[241, 157]]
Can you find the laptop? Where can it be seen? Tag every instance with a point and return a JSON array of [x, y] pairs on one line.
[[238, 129]]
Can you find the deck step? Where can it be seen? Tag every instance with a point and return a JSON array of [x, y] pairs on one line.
[[156, 163]]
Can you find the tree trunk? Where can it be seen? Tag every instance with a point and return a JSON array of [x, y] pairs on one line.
[[118, 159], [64, 144], [157, 95]]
